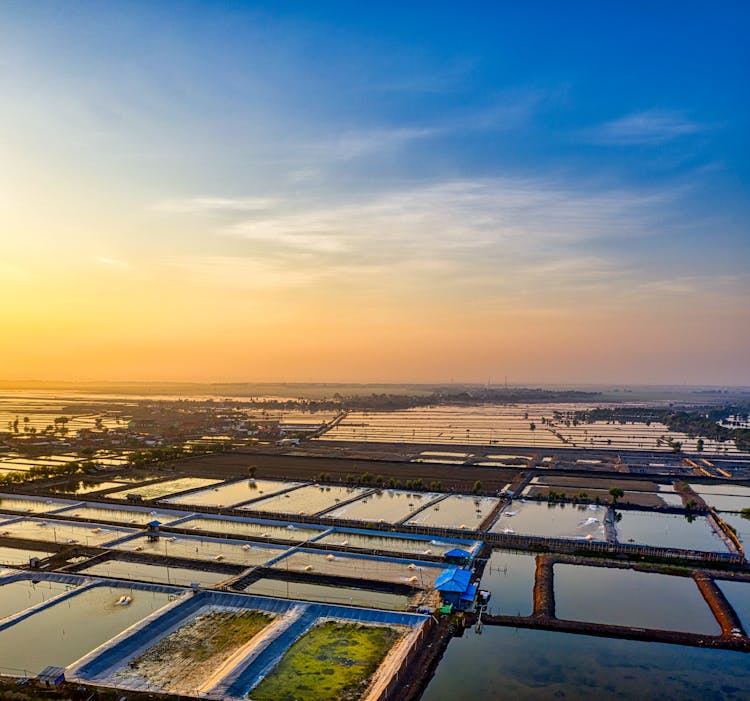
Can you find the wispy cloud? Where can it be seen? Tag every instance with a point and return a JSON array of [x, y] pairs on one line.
[[208, 205], [652, 127]]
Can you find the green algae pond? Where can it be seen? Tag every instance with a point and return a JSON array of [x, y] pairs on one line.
[[536, 665], [333, 660]]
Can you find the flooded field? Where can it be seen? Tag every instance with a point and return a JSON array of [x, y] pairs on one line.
[[294, 533], [20, 595], [535, 665], [143, 572], [197, 548], [738, 595], [233, 493], [56, 637], [69, 532], [457, 511], [509, 576], [552, 520], [388, 506], [418, 575], [329, 594], [125, 515], [185, 660], [333, 660], [376, 541], [31, 506], [668, 531], [724, 497], [20, 556], [630, 598], [306, 500], [163, 489]]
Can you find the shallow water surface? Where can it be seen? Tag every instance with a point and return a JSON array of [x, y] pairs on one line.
[[509, 576], [536, 518], [233, 493], [143, 572], [20, 595], [668, 531]]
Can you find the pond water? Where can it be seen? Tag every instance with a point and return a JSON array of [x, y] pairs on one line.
[[329, 594], [294, 533], [143, 572], [57, 635], [546, 520], [630, 598], [536, 665], [71, 532], [388, 506], [197, 548], [233, 493], [668, 531], [32, 506], [457, 511], [738, 594], [20, 556], [724, 497], [740, 524], [413, 546], [85, 487], [163, 489], [306, 500], [510, 578], [739, 490], [123, 515], [416, 574], [20, 595]]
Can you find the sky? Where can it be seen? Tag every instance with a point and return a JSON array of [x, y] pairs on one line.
[[375, 192]]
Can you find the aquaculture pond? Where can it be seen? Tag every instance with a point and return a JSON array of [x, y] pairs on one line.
[[130, 516], [144, 572], [31, 506], [630, 598], [740, 524], [724, 497], [292, 532], [23, 594], [233, 493], [333, 660], [20, 556], [509, 576], [56, 635], [457, 511], [69, 532], [190, 659], [667, 531], [411, 546], [163, 489], [417, 574], [303, 591], [738, 594], [306, 500], [536, 665], [388, 506], [197, 548], [545, 520], [79, 488]]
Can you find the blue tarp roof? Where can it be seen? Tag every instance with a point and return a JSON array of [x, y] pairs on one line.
[[457, 552], [454, 580], [470, 593]]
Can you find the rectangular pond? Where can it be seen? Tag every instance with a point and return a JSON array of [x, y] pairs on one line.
[[542, 519], [536, 665], [79, 488], [197, 548], [457, 511], [509, 576], [667, 531], [20, 556], [416, 574], [385, 506], [328, 594], [738, 595], [233, 493], [306, 500], [161, 574], [63, 633], [117, 514], [724, 497], [630, 598], [68, 532], [23, 594], [394, 543], [31, 506], [292, 532], [163, 489]]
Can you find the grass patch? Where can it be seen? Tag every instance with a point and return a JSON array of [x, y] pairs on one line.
[[334, 661]]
